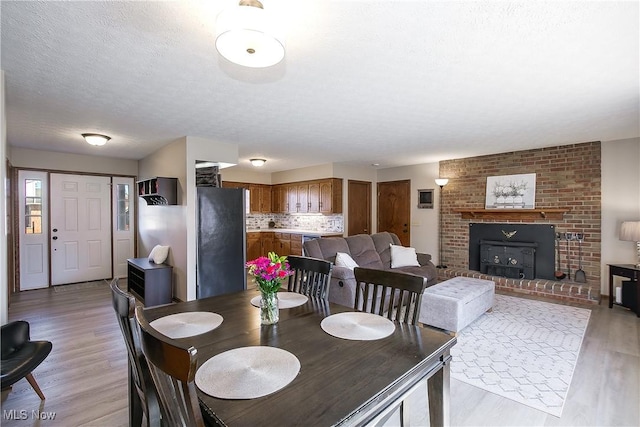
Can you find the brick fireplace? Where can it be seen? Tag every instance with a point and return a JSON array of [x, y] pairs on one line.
[[567, 178]]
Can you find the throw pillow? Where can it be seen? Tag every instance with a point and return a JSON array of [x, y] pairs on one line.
[[345, 260], [403, 257], [159, 254]]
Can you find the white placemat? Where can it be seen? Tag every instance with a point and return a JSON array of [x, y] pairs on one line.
[[187, 324], [358, 326], [285, 299], [247, 372]]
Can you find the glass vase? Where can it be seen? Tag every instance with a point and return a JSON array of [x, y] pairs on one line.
[[269, 312]]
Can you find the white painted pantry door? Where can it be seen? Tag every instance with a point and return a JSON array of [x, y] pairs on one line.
[[80, 228]]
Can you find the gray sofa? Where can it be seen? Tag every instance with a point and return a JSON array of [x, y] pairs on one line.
[[369, 251]]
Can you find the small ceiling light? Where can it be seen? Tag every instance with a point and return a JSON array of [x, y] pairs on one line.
[[258, 162], [247, 35], [96, 138]]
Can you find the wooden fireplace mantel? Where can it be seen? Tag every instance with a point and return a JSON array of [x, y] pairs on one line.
[[513, 214]]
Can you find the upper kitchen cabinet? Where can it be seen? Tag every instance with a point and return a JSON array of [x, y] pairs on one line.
[[259, 198]]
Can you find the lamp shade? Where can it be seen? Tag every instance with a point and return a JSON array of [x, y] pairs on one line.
[[442, 181], [249, 36], [630, 231]]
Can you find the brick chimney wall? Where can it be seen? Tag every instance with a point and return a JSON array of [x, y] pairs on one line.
[[567, 176]]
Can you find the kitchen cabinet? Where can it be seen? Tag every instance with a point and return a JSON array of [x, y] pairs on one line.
[[330, 191], [295, 244], [268, 243], [282, 243], [259, 198], [254, 246]]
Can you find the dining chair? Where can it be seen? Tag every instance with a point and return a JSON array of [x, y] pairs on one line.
[[311, 276], [20, 355], [124, 304], [395, 295], [173, 369]]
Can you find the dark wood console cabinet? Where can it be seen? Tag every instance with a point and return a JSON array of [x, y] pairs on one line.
[[150, 283]]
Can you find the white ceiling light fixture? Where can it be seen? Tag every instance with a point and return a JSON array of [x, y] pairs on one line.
[[258, 162], [96, 138], [249, 36]]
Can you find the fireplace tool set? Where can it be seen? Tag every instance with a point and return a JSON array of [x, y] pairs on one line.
[[579, 275]]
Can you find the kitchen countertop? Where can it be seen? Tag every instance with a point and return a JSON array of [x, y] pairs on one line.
[[313, 233]]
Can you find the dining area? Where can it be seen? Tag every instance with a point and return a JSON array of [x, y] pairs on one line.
[[230, 360]]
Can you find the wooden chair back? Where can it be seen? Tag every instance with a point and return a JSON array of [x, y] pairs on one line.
[[173, 368], [124, 305], [395, 295], [311, 276]]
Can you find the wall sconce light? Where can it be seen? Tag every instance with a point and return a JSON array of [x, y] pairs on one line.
[[96, 138], [258, 162], [247, 35], [441, 182], [630, 232]]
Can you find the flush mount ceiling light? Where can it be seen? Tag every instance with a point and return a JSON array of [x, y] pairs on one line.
[[96, 138], [247, 35], [258, 162]]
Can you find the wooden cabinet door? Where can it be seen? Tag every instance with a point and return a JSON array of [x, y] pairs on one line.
[[314, 197], [254, 246], [292, 198], [296, 244], [326, 197], [268, 244], [303, 198], [254, 198], [265, 198], [275, 199]]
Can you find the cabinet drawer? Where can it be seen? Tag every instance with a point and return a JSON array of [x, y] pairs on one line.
[[282, 236]]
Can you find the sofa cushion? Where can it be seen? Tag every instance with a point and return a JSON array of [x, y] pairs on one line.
[[382, 241], [403, 257], [326, 248], [428, 271], [363, 251]]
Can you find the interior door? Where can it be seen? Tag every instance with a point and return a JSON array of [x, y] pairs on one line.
[[33, 229], [359, 210], [394, 201], [80, 228], [123, 196]]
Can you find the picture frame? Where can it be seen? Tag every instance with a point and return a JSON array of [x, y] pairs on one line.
[[511, 191], [425, 198]]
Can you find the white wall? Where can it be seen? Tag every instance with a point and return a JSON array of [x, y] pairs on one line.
[[4, 283], [424, 222], [51, 160], [303, 174], [166, 225], [620, 202], [237, 174]]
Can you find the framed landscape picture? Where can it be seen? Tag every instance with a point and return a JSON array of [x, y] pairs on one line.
[[511, 191]]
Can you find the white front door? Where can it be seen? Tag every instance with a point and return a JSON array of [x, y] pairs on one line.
[[124, 194], [80, 228], [33, 229]]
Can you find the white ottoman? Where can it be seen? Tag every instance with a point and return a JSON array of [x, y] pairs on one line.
[[453, 304]]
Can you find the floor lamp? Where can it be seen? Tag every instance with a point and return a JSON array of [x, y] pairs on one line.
[[441, 182]]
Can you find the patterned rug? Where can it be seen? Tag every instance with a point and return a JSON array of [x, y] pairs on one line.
[[524, 350]]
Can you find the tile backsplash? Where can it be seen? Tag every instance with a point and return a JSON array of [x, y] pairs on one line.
[[303, 222]]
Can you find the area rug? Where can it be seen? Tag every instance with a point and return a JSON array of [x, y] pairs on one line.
[[524, 350]]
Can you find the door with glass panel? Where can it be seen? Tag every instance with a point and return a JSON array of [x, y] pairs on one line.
[[33, 229], [80, 228], [123, 196]]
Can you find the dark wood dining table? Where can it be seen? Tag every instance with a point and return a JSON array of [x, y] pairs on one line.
[[340, 382]]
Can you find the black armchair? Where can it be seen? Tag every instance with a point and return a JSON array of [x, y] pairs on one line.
[[20, 355]]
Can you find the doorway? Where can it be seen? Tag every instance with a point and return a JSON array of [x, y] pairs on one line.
[[359, 207], [393, 209]]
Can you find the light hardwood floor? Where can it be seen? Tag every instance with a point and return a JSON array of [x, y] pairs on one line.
[[85, 376]]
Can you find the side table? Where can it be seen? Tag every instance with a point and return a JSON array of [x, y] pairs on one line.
[[629, 271]]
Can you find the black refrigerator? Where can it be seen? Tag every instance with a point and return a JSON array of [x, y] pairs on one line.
[[221, 241]]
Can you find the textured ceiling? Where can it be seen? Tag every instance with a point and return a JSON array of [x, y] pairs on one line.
[[388, 82]]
